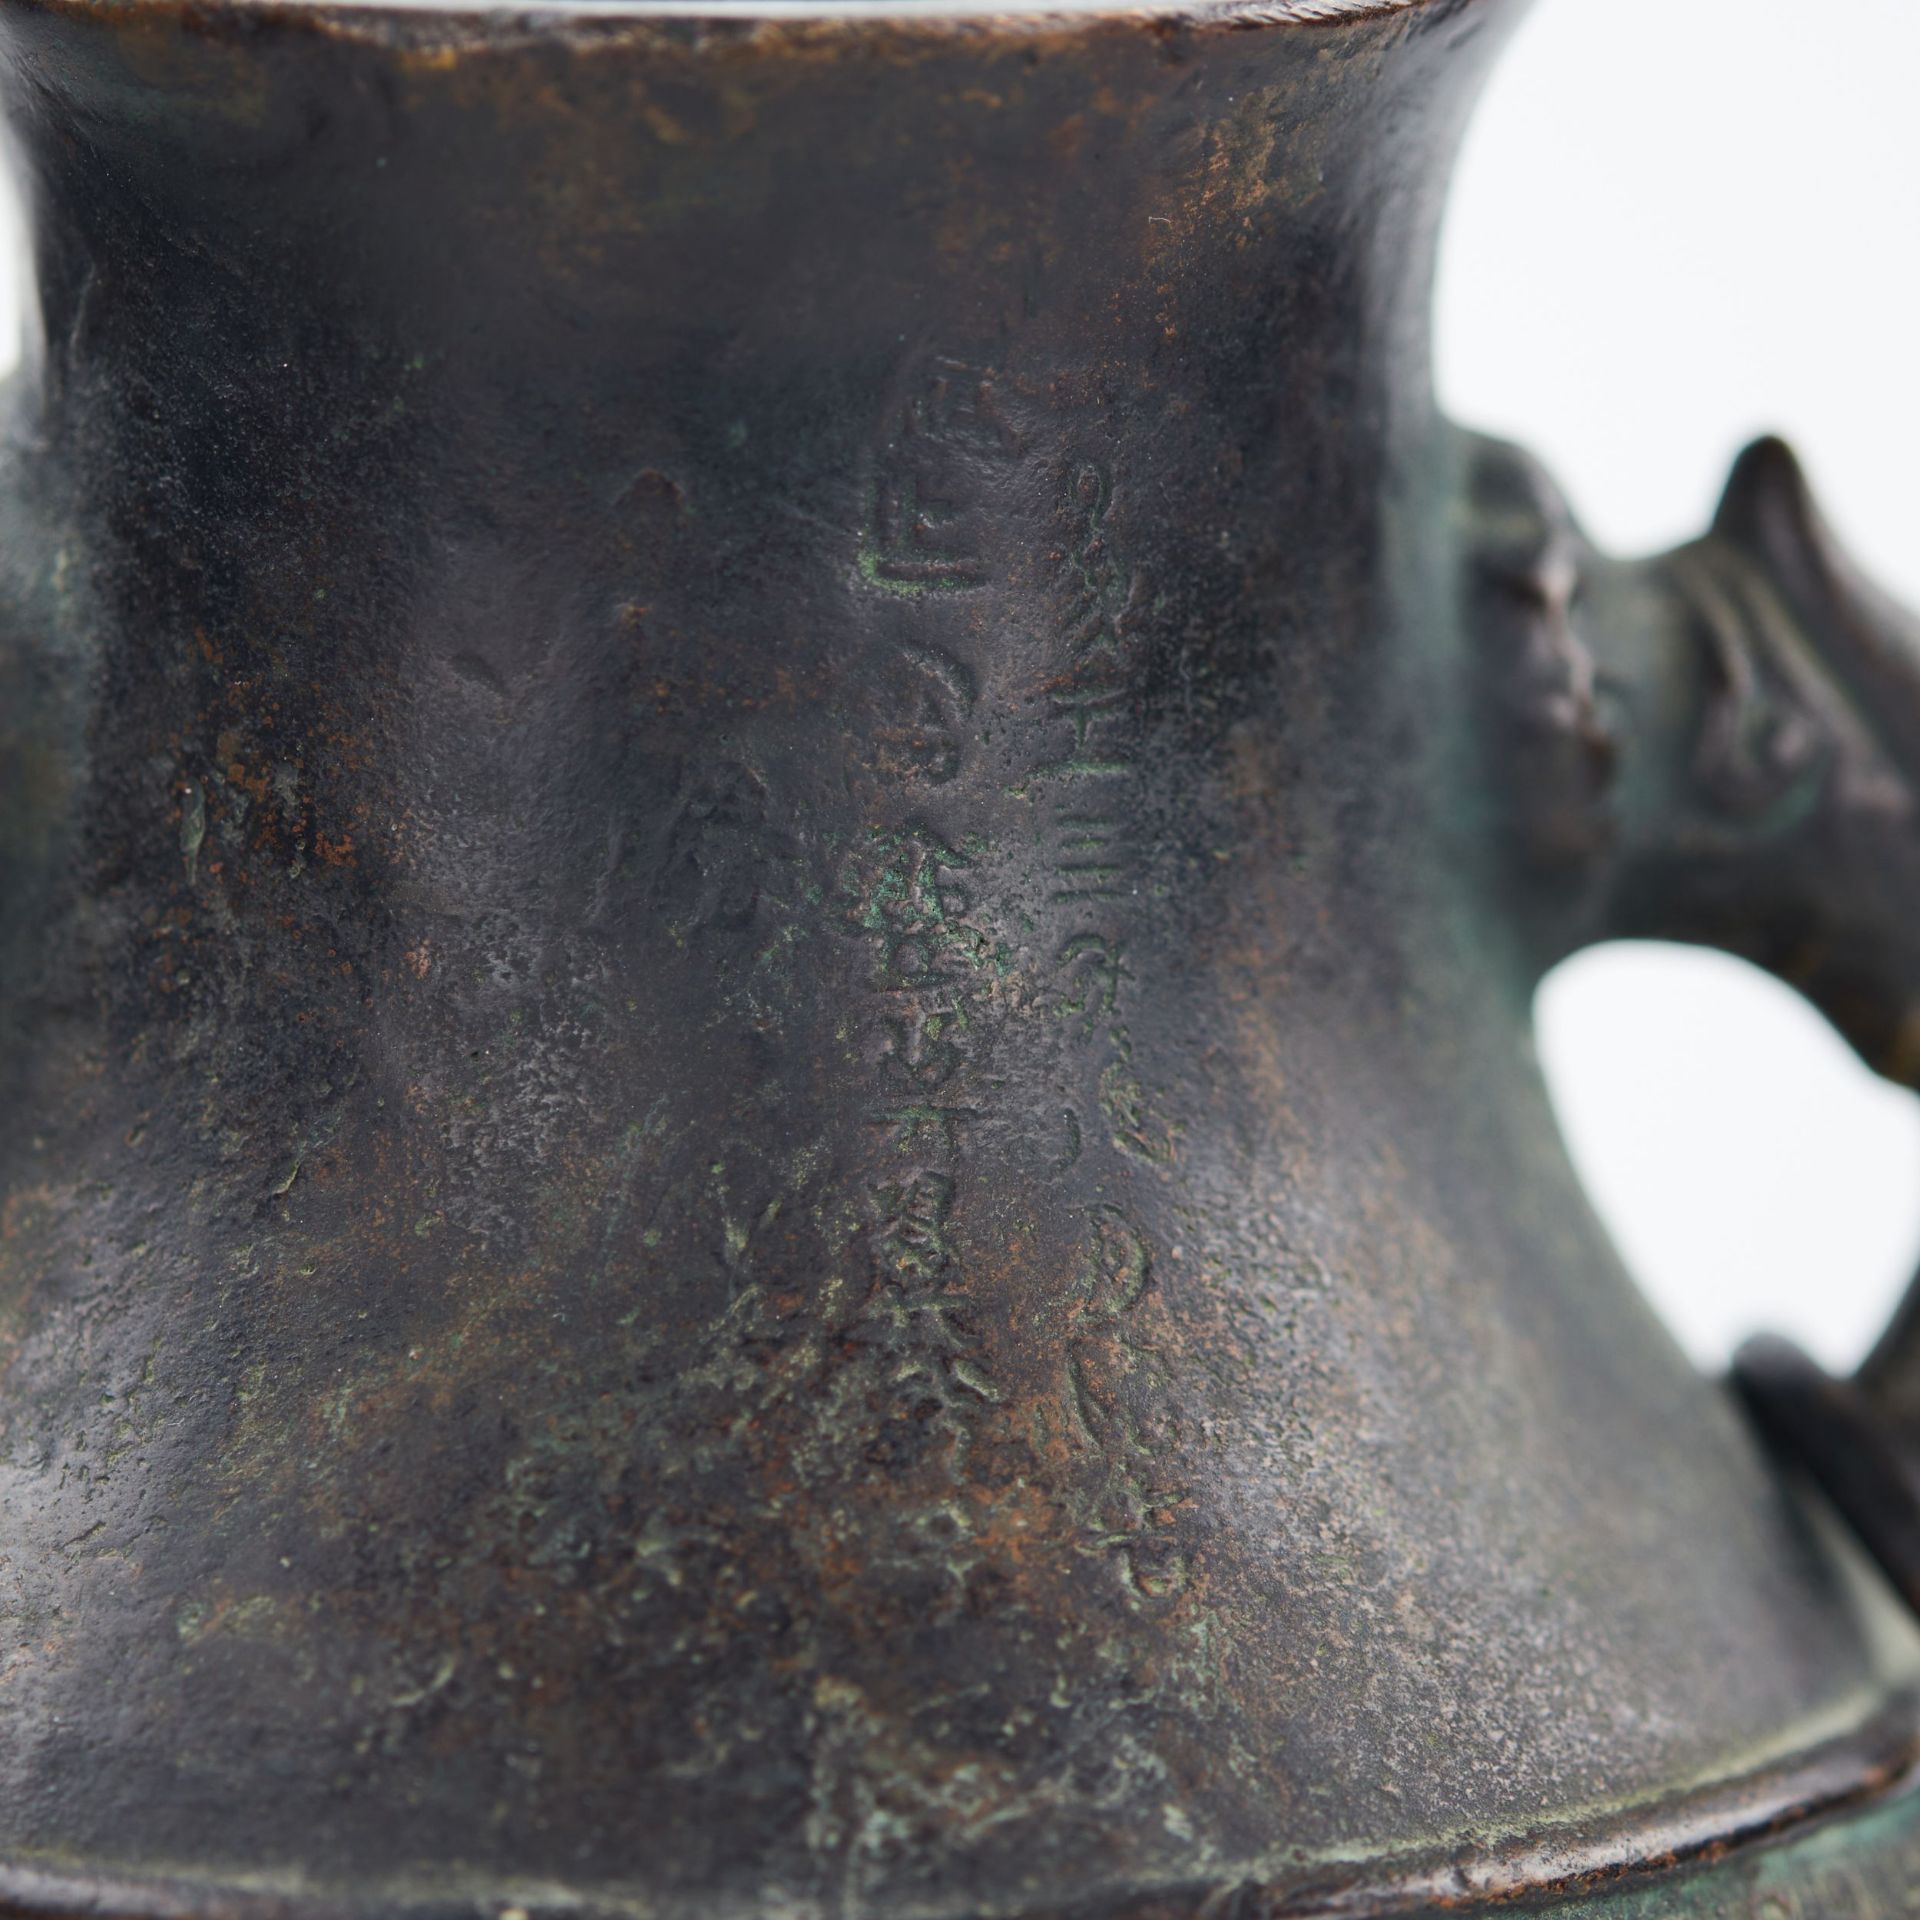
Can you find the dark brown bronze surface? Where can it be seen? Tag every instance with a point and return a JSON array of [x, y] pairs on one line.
[[774, 825]]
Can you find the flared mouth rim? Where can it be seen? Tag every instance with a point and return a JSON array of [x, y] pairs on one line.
[[490, 16], [1255, 12]]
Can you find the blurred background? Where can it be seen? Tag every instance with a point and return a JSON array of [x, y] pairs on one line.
[[1679, 224]]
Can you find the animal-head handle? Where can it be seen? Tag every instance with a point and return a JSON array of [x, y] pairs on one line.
[[1722, 746]]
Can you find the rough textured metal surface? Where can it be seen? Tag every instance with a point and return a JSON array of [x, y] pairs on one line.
[[774, 822]]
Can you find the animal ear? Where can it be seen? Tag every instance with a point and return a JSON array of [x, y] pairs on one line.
[[1866, 639]]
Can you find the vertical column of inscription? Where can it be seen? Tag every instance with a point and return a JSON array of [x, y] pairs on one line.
[[929, 541], [1090, 788], [1087, 788], [936, 979]]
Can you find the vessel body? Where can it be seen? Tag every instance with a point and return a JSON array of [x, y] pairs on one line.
[[769, 1137]]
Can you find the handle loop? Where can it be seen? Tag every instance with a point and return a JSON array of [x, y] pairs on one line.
[[1722, 746]]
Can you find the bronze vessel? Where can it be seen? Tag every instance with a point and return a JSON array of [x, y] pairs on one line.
[[775, 820]]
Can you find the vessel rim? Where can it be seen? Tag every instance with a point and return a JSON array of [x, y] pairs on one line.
[[491, 18]]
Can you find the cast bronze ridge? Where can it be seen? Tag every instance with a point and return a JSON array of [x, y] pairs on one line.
[[1580, 1855]]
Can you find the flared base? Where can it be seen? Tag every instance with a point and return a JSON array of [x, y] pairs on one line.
[[1831, 1830]]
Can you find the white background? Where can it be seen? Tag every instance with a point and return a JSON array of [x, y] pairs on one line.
[[1680, 223]]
